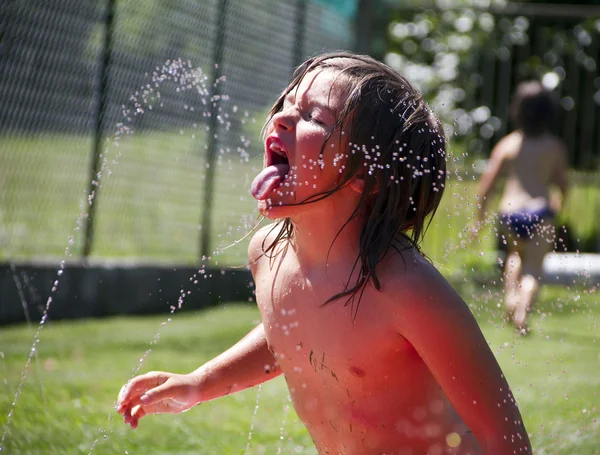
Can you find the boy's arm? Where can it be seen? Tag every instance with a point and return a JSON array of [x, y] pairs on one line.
[[560, 175], [440, 326], [488, 179], [248, 363]]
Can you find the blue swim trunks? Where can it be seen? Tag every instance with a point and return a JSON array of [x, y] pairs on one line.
[[526, 224]]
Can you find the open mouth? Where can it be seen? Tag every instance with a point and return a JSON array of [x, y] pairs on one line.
[[276, 169], [276, 153]]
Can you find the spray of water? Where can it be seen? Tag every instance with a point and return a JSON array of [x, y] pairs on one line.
[[186, 77], [21, 281], [463, 205]]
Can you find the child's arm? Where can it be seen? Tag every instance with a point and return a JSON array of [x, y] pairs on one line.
[[442, 329], [560, 176], [489, 177], [246, 364]]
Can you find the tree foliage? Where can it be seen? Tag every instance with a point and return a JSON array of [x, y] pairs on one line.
[[447, 49]]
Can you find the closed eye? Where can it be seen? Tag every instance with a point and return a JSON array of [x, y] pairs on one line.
[[316, 119]]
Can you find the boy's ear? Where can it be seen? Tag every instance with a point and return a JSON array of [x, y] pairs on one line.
[[358, 184]]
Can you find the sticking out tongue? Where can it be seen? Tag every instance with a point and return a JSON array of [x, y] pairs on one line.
[[268, 179]]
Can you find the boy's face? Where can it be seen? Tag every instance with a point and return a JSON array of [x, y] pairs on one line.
[[294, 167]]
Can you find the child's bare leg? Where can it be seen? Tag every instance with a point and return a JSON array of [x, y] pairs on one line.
[[512, 273], [529, 286], [531, 271]]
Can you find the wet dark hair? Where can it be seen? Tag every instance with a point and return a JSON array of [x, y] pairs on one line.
[[533, 109], [393, 131]]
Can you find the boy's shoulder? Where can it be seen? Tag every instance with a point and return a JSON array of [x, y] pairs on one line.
[[260, 241], [409, 280], [416, 298], [508, 144]]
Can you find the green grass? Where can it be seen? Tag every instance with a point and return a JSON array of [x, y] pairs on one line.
[[152, 199], [66, 403], [149, 206]]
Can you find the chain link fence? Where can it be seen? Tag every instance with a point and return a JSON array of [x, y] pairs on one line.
[[131, 129]]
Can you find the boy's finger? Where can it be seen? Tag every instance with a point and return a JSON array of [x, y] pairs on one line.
[[131, 416], [133, 423], [122, 394], [121, 408], [139, 385], [157, 394], [136, 414]]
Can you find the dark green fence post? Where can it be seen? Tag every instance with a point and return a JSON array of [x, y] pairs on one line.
[[94, 180], [213, 136], [363, 23]]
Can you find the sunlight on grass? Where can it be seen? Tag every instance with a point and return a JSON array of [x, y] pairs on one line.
[[151, 202], [66, 402]]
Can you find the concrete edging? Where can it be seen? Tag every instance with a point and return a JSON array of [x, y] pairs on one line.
[[97, 290]]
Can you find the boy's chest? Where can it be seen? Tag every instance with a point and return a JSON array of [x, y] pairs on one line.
[[308, 337]]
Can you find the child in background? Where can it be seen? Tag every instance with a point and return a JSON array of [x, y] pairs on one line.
[[380, 354], [534, 161]]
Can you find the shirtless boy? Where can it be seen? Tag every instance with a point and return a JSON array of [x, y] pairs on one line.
[[380, 354], [534, 161]]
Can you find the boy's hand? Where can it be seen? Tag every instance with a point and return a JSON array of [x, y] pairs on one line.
[[157, 392], [474, 229], [556, 202]]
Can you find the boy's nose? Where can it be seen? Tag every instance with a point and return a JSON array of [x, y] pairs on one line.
[[282, 121]]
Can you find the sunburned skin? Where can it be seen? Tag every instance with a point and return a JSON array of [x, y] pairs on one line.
[[399, 370], [377, 379], [357, 384]]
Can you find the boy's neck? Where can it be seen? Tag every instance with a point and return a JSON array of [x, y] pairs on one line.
[[317, 240]]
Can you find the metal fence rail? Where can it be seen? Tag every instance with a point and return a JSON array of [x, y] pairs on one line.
[[130, 128]]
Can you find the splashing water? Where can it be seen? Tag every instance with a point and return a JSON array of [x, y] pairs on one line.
[[187, 78], [259, 388], [286, 410], [21, 282], [461, 204]]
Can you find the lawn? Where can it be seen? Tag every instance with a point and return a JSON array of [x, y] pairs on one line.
[[149, 208], [149, 205], [66, 402], [151, 201]]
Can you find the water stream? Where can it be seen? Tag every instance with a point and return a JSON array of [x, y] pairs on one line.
[[460, 206]]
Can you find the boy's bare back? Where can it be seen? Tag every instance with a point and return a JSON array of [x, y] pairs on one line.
[[357, 383], [532, 165]]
